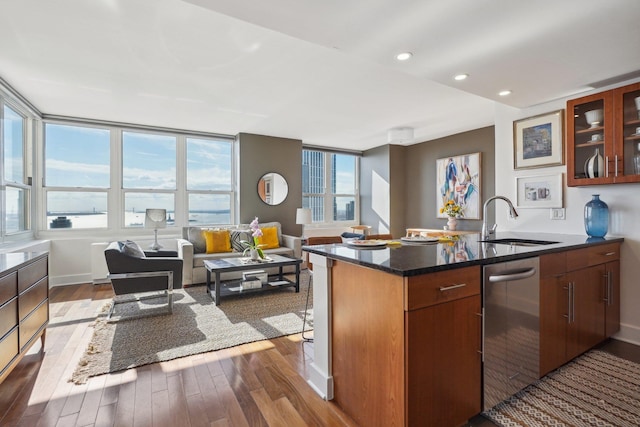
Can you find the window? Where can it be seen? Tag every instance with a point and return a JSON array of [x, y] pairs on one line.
[[339, 202], [149, 168], [77, 176], [209, 181], [16, 201], [105, 176]]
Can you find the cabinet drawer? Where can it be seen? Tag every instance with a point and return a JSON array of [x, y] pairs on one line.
[[33, 323], [553, 264], [8, 316], [8, 287], [604, 253], [577, 259], [8, 349], [33, 297], [30, 274], [435, 288]]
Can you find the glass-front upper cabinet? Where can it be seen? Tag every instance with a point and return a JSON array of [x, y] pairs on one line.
[[590, 139], [603, 137], [627, 123]]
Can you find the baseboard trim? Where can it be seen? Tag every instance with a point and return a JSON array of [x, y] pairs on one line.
[[320, 382], [71, 279], [628, 333]]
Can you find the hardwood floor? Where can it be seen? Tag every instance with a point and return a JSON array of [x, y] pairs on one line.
[[257, 384]]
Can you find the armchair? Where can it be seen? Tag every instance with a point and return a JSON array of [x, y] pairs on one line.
[[131, 272]]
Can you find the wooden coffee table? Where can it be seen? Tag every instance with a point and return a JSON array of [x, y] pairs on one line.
[[218, 289]]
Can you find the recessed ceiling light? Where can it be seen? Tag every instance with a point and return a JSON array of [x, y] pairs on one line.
[[504, 93], [404, 56], [460, 76]]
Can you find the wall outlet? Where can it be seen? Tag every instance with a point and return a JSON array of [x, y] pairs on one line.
[[557, 213]]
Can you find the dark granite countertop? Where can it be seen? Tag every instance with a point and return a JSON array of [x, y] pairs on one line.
[[415, 259], [14, 260]]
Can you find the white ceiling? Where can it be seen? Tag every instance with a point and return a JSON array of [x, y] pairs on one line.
[[322, 71]]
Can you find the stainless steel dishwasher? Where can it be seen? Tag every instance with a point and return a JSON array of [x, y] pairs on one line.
[[511, 329]]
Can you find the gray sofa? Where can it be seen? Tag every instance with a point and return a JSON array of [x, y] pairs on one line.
[[192, 250]]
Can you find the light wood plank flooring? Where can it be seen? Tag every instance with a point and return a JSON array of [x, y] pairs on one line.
[[257, 384]]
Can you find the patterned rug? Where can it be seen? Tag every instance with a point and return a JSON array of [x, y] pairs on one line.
[[143, 332], [596, 389]]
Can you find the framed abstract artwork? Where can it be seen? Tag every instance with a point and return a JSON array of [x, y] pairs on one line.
[[539, 141], [458, 179]]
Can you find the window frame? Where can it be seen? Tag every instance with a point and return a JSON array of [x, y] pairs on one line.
[[231, 193], [116, 192], [43, 219], [328, 196], [28, 136]]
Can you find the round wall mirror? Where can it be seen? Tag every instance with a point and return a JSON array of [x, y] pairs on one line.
[[273, 188]]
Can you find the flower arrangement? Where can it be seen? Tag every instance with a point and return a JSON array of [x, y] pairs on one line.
[[253, 245], [452, 209]]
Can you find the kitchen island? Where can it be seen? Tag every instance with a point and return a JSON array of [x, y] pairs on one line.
[[398, 329]]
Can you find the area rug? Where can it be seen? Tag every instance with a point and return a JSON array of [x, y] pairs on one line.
[[597, 389], [143, 332]]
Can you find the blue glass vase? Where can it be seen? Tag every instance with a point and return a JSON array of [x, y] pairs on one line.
[[596, 217]]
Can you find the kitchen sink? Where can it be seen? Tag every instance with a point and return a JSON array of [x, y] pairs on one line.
[[520, 242]]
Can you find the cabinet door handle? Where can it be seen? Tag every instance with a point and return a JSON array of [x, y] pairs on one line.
[[568, 315], [616, 163], [606, 166], [448, 288], [573, 302]]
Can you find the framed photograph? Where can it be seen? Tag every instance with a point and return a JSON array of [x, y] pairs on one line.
[[541, 191], [539, 141], [458, 179]]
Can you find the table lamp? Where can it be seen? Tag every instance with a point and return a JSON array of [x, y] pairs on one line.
[[155, 219], [303, 217]]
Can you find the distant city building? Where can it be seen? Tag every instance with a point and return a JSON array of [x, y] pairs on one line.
[[313, 183]]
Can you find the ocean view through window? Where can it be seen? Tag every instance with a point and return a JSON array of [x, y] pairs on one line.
[[190, 177]]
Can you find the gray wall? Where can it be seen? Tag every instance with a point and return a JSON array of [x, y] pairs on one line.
[[259, 154], [374, 171], [420, 167], [382, 169]]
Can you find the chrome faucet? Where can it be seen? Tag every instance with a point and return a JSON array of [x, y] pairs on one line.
[[486, 231]]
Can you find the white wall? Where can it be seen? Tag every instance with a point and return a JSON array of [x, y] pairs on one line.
[[70, 259], [623, 201]]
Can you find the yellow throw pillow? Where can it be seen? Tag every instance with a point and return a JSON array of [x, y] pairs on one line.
[[269, 238], [217, 241]]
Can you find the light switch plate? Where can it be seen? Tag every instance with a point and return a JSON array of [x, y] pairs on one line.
[[557, 213]]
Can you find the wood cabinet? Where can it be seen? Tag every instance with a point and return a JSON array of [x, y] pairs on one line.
[[615, 136], [406, 350], [24, 306], [579, 302]]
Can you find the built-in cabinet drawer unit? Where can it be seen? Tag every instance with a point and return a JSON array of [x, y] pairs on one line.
[[579, 302], [8, 287], [444, 286], [24, 305]]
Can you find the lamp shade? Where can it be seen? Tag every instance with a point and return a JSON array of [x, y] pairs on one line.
[[155, 218], [303, 216]]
